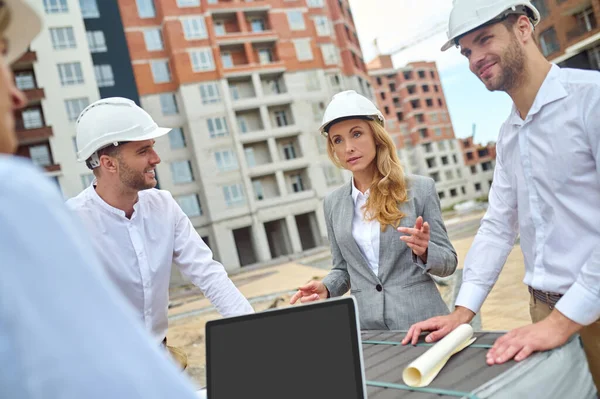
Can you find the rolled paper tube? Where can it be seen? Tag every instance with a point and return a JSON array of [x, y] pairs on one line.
[[426, 367]]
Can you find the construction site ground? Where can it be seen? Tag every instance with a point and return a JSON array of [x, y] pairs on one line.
[[272, 286]]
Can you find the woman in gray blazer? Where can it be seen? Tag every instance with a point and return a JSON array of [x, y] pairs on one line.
[[385, 228]]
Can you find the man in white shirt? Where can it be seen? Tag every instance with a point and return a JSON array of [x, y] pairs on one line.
[[65, 331], [137, 230], [546, 186]]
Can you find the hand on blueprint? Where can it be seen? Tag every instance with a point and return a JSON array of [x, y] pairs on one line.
[[417, 238], [519, 343], [439, 326], [313, 291]]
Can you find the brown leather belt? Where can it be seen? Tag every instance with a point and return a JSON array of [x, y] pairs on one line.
[[549, 298]]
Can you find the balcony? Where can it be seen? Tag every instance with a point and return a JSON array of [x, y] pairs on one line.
[[581, 30], [34, 95], [26, 60], [224, 6], [52, 168], [31, 136], [266, 36]]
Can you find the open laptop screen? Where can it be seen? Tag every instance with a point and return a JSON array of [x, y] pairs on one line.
[[309, 351]]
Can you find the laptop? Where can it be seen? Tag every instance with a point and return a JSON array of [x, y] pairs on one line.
[[303, 351]]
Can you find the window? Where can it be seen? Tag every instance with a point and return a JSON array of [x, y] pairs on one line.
[[188, 3], [427, 147], [420, 118], [160, 71], [259, 193], [441, 145], [189, 204], [477, 186], [334, 82], [219, 27], [226, 60], [75, 106], [440, 103], [104, 75], [407, 75], [318, 108], [445, 160], [146, 8], [399, 116], [425, 88], [70, 73], [330, 54], [242, 124], [40, 155], [435, 176], [411, 89], [55, 6], [153, 40], [438, 131], [176, 138], [250, 159], [181, 171], [265, 56], [25, 80], [458, 173], [62, 38], [210, 93], [194, 28], [257, 25], [454, 158], [96, 41], [217, 127], [289, 152], [549, 41], [332, 175], [323, 26], [431, 162], [436, 88], [202, 60], [387, 110], [89, 9], [429, 102], [281, 118], [168, 104], [485, 166], [87, 180], [234, 194], [315, 3], [449, 175], [442, 195], [451, 143], [32, 118], [226, 160], [296, 20], [303, 50], [453, 192], [586, 20], [297, 183], [421, 74], [424, 133], [595, 57]]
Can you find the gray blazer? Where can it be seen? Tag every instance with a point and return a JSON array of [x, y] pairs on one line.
[[403, 292]]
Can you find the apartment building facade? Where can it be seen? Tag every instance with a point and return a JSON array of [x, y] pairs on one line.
[[57, 76], [569, 33], [244, 86], [413, 103], [480, 160]]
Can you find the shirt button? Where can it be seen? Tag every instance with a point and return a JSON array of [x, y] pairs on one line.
[[378, 287]]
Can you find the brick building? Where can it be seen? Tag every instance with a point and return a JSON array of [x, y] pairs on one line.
[[568, 33], [244, 85]]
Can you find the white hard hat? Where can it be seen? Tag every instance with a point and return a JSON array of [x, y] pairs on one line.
[[24, 25], [110, 121], [467, 15], [346, 105]]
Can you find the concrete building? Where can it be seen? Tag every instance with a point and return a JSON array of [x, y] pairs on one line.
[[58, 79], [480, 160], [244, 85], [569, 34], [412, 100]]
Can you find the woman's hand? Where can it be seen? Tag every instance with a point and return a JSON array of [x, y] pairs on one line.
[[417, 238]]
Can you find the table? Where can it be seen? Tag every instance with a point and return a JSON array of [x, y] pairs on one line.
[[560, 373]]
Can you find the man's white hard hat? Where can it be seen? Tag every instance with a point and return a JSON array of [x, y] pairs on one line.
[[347, 105], [467, 15], [23, 26], [110, 121]]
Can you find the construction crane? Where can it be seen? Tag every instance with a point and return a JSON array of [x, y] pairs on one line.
[[432, 31]]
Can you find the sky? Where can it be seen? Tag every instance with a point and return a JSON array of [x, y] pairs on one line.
[[396, 22]]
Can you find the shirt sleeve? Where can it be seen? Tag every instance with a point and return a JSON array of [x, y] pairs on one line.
[[581, 302], [65, 331], [493, 242], [195, 260]]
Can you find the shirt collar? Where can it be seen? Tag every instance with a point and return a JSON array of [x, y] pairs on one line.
[[356, 192], [550, 91], [98, 200]]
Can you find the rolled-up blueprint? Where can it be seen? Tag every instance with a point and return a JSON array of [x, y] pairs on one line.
[[426, 367]]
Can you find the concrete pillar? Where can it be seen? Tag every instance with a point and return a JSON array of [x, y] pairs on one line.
[[273, 151], [261, 244], [257, 85], [292, 228], [225, 244], [320, 215], [283, 191]]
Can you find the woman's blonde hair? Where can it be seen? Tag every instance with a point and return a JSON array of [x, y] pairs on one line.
[[388, 188]]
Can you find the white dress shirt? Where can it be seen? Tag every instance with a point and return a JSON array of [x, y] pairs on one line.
[[138, 253], [65, 330], [365, 233], [547, 188]]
